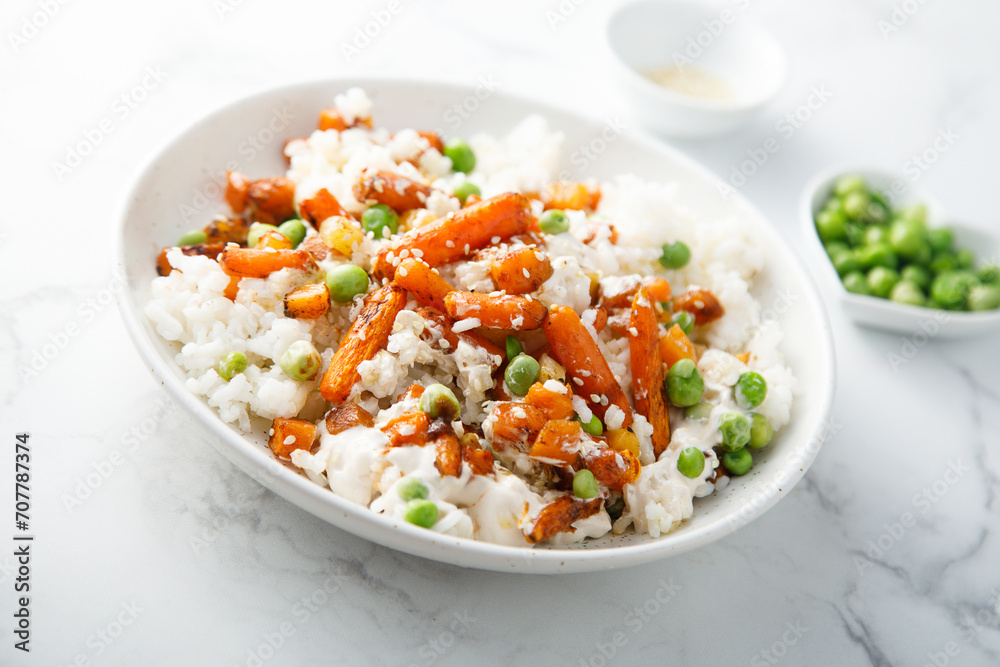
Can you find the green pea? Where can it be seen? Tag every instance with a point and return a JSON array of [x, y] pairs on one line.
[[856, 204], [193, 237], [750, 390], [439, 402], [834, 204], [916, 213], [847, 262], [301, 361], [410, 488], [855, 232], [924, 254], [684, 384], [735, 429], [232, 365], [878, 254], [684, 320], [675, 255], [294, 229], [700, 412], [257, 230], [940, 239], [905, 238], [916, 274], [346, 282], [876, 234], [420, 512], [585, 485], [381, 220], [835, 247], [908, 292], [553, 221], [984, 297], [830, 226], [738, 462], [856, 283], [951, 288], [877, 211], [521, 373], [964, 258], [989, 273], [461, 156], [761, 431], [849, 183], [463, 190], [881, 281], [514, 347], [593, 427], [691, 462], [943, 262]]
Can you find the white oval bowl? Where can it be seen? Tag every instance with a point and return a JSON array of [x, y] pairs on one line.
[[889, 315], [180, 175], [654, 33]]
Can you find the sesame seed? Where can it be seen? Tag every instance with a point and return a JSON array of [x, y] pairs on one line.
[[495, 240], [289, 440], [578, 381], [526, 273], [401, 271], [449, 243]]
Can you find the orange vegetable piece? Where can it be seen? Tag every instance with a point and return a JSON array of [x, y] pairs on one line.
[[675, 345], [434, 139], [273, 239], [575, 349], [272, 200], [347, 415], [237, 189], [414, 391], [314, 246], [600, 319], [367, 335], [471, 337], [559, 440], [420, 280], [700, 303], [448, 460], [287, 435], [455, 236], [330, 119], [227, 230], [510, 312], [479, 460], [659, 291], [552, 404], [260, 262], [613, 468], [515, 424], [521, 271], [397, 192], [308, 302], [647, 368], [576, 196], [560, 515], [408, 429], [212, 250], [319, 207]]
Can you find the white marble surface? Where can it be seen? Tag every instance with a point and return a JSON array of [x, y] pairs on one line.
[[206, 566]]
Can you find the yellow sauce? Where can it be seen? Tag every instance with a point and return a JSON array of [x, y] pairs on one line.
[[690, 81]]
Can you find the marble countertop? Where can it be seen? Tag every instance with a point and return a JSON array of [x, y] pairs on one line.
[[153, 549]]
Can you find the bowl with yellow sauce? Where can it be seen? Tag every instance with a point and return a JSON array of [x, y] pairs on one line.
[[694, 70]]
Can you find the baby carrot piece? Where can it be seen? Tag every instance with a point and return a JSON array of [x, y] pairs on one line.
[[367, 335], [448, 458], [554, 404], [260, 263], [559, 441], [458, 235], [521, 271], [675, 345], [319, 207], [511, 313], [577, 351], [700, 303], [395, 191], [212, 250], [408, 429], [287, 435], [237, 186], [308, 302], [647, 368], [272, 200], [612, 468], [342, 417], [571, 196], [470, 337], [560, 515], [423, 283], [515, 425]]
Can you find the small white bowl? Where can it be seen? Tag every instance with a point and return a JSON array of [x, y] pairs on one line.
[[724, 43], [882, 313]]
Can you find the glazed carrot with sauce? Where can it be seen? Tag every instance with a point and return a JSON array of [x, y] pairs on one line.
[[508, 312]]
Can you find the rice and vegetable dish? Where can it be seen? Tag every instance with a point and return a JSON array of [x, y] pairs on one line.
[[444, 333]]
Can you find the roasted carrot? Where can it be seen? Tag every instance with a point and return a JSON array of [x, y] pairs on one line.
[[448, 459], [612, 468], [553, 404], [273, 239], [458, 235], [600, 319], [433, 139], [420, 280], [408, 429], [212, 250], [413, 392], [339, 418], [227, 230], [308, 302], [315, 246], [510, 312], [287, 435], [675, 345], [479, 460], [521, 271], [260, 263], [331, 119], [621, 292], [367, 335], [574, 348], [647, 368], [558, 442], [515, 425], [233, 288], [700, 303], [319, 207], [471, 337], [560, 515], [397, 192], [237, 187], [272, 200], [575, 196]]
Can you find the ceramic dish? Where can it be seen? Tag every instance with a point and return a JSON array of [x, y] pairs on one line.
[[180, 189], [882, 313]]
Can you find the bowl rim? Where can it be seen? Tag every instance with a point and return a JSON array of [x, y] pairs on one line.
[[823, 180], [361, 521], [690, 102]]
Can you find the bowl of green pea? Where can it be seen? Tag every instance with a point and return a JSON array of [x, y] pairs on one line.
[[896, 261]]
